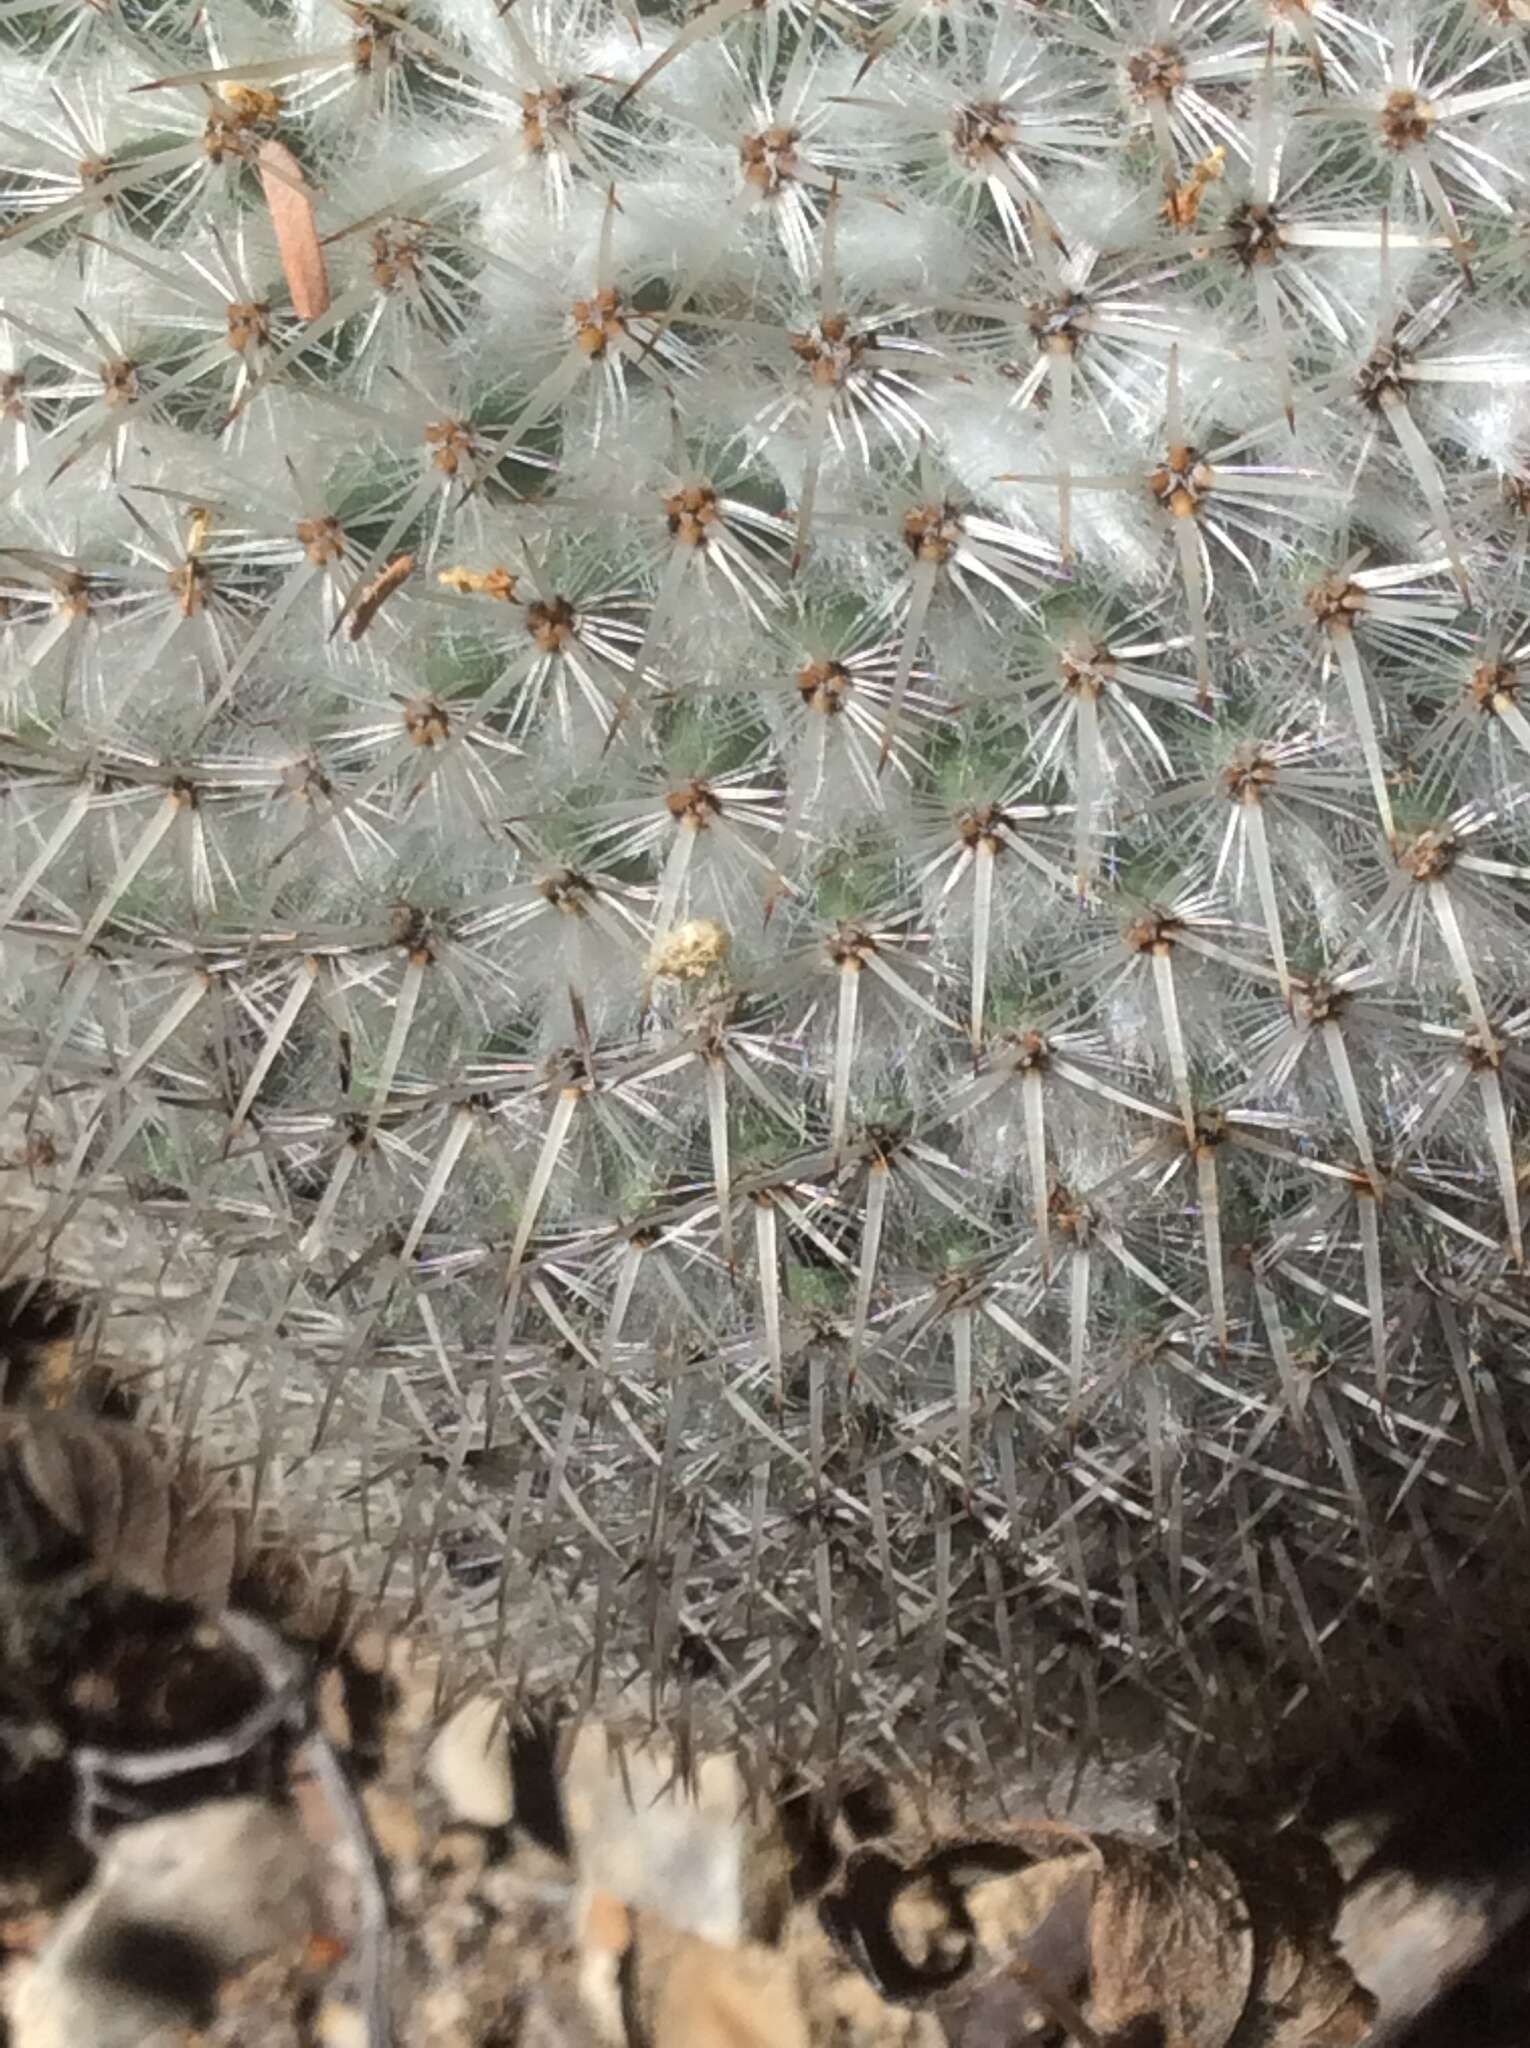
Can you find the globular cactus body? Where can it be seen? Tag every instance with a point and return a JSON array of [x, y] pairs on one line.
[[764, 892]]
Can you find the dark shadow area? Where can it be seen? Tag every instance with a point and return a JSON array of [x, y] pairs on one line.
[[1489, 2007]]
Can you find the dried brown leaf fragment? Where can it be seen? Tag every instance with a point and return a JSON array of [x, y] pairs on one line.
[[375, 595], [289, 199]]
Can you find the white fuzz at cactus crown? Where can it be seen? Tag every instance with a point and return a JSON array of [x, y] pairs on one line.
[[767, 808]]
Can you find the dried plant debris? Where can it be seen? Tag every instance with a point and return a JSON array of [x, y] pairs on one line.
[[699, 1904], [117, 1562], [290, 202], [263, 1831], [505, 1875], [369, 601], [101, 1490], [321, 1857], [176, 1905], [38, 1322]]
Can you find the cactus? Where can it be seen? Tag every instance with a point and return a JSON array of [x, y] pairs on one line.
[[765, 878]]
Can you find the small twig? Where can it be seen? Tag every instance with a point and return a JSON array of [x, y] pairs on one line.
[[366, 602], [371, 1948], [277, 1663]]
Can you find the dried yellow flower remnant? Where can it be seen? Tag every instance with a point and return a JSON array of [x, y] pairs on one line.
[[691, 951], [1182, 203], [249, 102], [498, 583]]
